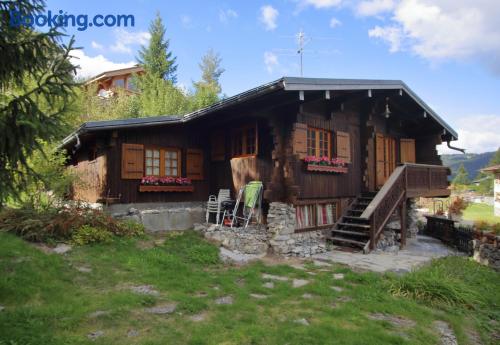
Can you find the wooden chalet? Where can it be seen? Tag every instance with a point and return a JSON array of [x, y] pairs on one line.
[[383, 131], [110, 81]]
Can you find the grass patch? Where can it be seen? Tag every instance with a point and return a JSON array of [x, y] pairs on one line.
[[480, 212], [48, 301]]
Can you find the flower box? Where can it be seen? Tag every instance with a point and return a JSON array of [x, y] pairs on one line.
[[326, 168], [147, 188]]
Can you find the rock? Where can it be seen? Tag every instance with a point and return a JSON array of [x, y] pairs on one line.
[[396, 321], [198, 317], [321, 263], [162, 309], [258, 296], [269, 285], [98, 313], [274, 277], [307, 296], [2, 307], [225, 300], [84, 269], [446, 333], [299, 283], [94, 335], [337, 288], [132, 333], [199, 227], [145, 290], [338, 276], [228, 256], [62, 248], [302, 322]]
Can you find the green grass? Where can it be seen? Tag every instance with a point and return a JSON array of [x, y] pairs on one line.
[[480, 212], [48, 301]]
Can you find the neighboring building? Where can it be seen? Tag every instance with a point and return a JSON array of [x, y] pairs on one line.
[[108, 82], [496, 187], [273, 133]]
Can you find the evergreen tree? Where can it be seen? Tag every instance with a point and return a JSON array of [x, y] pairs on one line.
[[495, 160], [208, 89], [36, 85], [156, 58], [462, 176]]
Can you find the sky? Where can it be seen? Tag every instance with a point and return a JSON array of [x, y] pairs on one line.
[[447, 51]]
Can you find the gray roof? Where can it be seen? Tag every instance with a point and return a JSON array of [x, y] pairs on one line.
[[285, 83]]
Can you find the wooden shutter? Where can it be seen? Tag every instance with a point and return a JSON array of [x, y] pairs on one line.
[[194, 164], [299, 140], [132, 161], [217, 146], [407, 147], [380, 158], [344, 146]]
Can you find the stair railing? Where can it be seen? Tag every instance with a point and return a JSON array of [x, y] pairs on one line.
[[380, 209]]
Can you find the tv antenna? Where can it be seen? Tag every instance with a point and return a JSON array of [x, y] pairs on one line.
[[302, 40]]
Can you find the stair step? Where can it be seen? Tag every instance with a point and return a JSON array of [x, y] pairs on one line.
[[347, 240], [356, 211], [353, 233], [355, 218], [365, 198], [354, 225], [362, 203], [369, 194]]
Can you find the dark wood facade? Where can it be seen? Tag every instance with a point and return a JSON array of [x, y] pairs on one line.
[[278, 161]]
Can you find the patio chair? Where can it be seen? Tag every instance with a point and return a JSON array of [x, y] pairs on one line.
[[214, 204], [252, 207]]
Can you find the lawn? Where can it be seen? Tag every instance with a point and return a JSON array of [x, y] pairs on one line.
[[478, 212], [61, 299]]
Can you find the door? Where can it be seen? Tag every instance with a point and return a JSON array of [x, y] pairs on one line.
[[407, 149], [385, 155]]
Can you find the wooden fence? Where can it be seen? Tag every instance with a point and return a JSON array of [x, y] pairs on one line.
[[459, 237]]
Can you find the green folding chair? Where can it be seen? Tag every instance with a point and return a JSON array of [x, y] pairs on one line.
[[252, 207]]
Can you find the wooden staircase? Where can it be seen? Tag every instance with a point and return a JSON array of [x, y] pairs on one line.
[[351, 230], [362, 223]]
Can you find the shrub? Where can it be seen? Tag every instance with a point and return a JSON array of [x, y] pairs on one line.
[[130, 228], [457, 206], [481, 225], [495, 228], [60, 223], [87, 234]]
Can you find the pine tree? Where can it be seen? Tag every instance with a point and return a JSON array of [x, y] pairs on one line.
[[495, 160], [208, 89], [36, 85], [156, 58], [462, 176]]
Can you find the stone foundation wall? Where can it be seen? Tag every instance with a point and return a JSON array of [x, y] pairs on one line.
[[283, 240], [161, 216], [487, 254], [252, 240]]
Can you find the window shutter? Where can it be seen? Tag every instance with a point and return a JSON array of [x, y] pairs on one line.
[[344, 146], [299, 140], [194, 164], [407, 147], [217, 146], [132, 161]]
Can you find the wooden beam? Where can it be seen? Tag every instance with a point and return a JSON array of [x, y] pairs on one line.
[[369, 93], [327, 94], [402, 218], [301, 95]]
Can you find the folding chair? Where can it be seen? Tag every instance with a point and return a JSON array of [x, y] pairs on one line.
[[214, 204], [252, 207]]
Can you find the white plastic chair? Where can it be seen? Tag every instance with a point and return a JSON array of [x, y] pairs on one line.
[[214, 204]]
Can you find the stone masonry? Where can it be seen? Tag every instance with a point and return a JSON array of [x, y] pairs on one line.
[[487, 254]]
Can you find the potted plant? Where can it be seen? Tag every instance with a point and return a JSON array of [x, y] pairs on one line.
[[165, 184], [325, 164]]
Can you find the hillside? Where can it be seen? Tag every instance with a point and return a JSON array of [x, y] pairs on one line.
[[472, 162]]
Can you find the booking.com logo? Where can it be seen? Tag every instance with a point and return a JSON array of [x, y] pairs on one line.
[[61, 19]]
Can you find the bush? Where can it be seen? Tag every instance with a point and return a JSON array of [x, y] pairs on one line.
[[457, 206], [87, 234], [60, 223], [481, 225]]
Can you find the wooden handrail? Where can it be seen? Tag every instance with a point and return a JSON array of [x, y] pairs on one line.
[[416, 178]]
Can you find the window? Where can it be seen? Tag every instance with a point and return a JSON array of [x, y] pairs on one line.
[[319, 142], [119, 82], [152, 162], [315, 215], [131, 84], [244, 141], [162, 162]]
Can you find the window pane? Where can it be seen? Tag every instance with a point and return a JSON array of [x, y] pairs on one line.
[[156, 171], [156, 162], [149, 153], [168, 172], [174, 171], [173, 154], [149, 171], [156, 154], [174, 164], [149, 162]]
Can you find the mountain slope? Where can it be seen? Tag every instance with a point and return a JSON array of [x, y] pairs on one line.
[[472, 162]]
